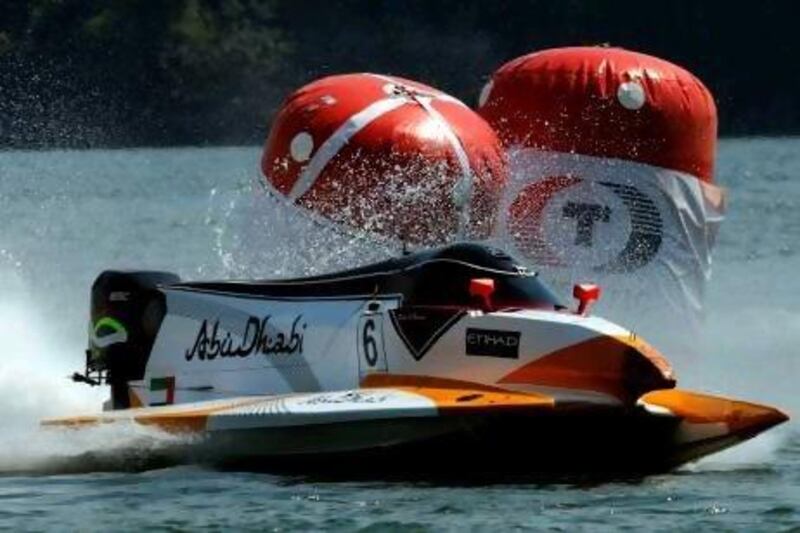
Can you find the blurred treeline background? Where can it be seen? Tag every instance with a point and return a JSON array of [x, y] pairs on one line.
[[87, 73]]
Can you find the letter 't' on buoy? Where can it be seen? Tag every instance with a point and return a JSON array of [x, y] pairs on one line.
[[387, 155]]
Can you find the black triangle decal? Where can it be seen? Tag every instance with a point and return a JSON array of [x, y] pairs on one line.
[[421, 327]]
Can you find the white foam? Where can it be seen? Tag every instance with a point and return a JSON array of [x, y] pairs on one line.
[[34, 385], [262, 236], [34, 369]]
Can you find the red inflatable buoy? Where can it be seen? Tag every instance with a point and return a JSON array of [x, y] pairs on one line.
[[611, 169], [611, 158], [387, 155]]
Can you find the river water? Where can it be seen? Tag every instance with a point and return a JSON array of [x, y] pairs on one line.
[[64, 216]]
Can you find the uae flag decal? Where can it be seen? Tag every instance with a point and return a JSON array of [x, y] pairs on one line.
[[162, 391]]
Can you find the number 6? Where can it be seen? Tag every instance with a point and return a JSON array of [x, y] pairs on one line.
[[370, 348]]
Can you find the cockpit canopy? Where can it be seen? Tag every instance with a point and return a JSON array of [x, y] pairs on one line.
[[439, 277], [446, 282]]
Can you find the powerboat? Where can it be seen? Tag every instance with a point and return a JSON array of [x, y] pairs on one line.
[[456, 359]]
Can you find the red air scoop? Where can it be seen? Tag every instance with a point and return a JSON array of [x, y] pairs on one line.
[[482, 288], [587, 294]]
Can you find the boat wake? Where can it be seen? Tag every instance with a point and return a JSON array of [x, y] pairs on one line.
[[33, 385], [112, 448]]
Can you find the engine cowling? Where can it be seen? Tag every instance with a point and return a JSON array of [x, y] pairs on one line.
[[126, 313]]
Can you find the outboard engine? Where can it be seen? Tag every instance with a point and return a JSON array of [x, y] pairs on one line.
[[126, 312]]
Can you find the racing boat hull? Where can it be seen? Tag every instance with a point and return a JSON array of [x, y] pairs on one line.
[[456, 360], [454, 432]]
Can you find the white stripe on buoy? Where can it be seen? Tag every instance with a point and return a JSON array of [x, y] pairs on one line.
[[462, 191], [338, 140]]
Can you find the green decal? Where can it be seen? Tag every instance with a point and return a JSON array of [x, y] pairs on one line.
[[118, 335], [109, 322], [162, 383]]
